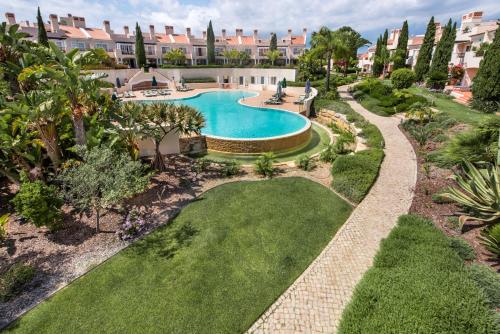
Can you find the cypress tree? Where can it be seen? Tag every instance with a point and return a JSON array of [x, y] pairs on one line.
[[273, 45], [210, 44], [425, 53], [400, 59], [42, 33], [385, 39], [377, 68], [384, 52], [486, 88], [140, 52], [442, 55]]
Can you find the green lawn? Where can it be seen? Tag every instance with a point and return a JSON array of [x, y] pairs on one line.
[[418, 284], [460, 112], [214, 269], [319, 139]]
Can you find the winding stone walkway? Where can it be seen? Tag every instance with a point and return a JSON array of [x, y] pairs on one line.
[[315, 301]]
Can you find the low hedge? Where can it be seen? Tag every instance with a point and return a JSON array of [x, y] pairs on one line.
[[199, 80], [418, 284], [354, 174]]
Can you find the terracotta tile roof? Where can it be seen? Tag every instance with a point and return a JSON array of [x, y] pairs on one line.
[[73, 32], [247, 40], [98, 34], [416, 40], [232, 40], [298, 40], [181, 39]]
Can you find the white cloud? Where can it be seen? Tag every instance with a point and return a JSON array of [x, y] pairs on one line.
[[265, 15]]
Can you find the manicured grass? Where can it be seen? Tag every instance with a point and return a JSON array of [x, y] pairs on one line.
[[214, 269], [371, 104], [418, 284], [319, 139], [460, 112]]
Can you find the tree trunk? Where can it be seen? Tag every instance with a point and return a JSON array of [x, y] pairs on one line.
[[48, 134], [77, 117], [158, 162], [328, 69], [97, 220]]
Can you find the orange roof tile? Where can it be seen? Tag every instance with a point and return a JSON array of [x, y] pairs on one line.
[[232, 40], [416, 40], [298, 40], [72, 32], [247, 40], [181, 39], [98, 33]]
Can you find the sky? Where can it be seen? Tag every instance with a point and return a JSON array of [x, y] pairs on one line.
[[369, 17]]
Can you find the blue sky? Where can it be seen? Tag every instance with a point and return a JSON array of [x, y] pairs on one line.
[[370, 17]]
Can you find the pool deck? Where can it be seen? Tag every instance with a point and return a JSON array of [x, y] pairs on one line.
[[254, 101]]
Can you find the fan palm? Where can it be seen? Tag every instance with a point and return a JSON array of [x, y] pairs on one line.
[[324, 44]]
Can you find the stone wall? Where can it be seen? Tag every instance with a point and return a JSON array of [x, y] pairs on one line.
[[195, 144], [259, 146]]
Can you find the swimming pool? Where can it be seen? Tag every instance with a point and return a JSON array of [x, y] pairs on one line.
[[234, 127], [226, 117]]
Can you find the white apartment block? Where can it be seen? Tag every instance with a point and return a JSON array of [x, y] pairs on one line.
[[473, 31], [71, 32]]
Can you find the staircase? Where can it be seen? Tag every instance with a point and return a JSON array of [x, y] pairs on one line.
[[462, 97]]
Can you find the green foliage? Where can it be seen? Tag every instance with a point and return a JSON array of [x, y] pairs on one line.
[[444, 48], [425, 54], [273, 44], [14, 279], [264, 165], [486, 90], [42, 33], [104, 178], [377, 67], [420, 112], [476, 145], [175, 56], [478, 193], [490, 238], [38, 203], [200, 80], [140, 52], [305, 162], [417, 284], [353, 175], [4, 220], [488, 281], [309, 67], [210, 44], [400, 53], [463, 249], [328, 154], [437, 80], [402, 78], [229, 168]]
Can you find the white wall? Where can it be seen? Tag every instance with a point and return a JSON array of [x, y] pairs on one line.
[[169, 145]]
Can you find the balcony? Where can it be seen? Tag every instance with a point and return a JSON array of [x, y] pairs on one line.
[[127, 52], [470, 60]]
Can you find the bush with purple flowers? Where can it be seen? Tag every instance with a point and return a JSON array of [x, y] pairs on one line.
[[134, 224]]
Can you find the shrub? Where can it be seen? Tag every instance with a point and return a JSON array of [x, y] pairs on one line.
[[490, 238], [488, 281], [264, 165], [420, 112], [14, 279], [437, 80], [132, 226], [417, 284], [201, 165], [229, 168], [463, 249], [440, 199], [38, 203], [199, 80], [422, 134], [403, 78], [328, 154], [3, 227], [353, 175], [305, 162]]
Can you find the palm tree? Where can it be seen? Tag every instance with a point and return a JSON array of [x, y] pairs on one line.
[[351, 42], [273, 55], [127, 124], [175, 56], [74, 84], [13, 45], [243, 57], [324, 43]]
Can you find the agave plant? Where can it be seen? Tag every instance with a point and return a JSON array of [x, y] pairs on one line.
[[490, 238], [479, 192]]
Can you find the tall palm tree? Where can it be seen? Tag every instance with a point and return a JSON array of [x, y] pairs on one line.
[[273, 55], [324, 44]]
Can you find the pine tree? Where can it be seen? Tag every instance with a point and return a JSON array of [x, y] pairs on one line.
[[442, 55], [273, 45], [425, 53], [400, 58], [486, 88], [210, 44], [140, 52], [42, 33], [377, 67]]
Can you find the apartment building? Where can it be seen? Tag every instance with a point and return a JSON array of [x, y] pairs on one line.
[[472, 33], [71, 32]]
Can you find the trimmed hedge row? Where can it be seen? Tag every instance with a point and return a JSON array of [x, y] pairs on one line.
[[418, 284]]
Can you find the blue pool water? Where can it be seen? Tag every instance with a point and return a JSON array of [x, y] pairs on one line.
[[226, 117]]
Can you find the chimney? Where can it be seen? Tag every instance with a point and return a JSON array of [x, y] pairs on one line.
[[204, 35], [255, 35], [152, 32], [188, 32], [169, 30], [224, 33], [289, 36], [239, 32], [126, 31], [107, 26], [82, 22], [54, 24], [11, 18], [74, 21], [304, 33]]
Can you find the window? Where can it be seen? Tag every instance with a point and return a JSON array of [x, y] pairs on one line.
[[297, 51], [273, 80], [184, 50], [127, 49], [263, 52], [248, 51], [165, 49], [200, 52], [252, 80], [78, 45], [282, 52], [219, 51], [242, 80], [103, 46], [150, 50], [261, 80], [60, 43]]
